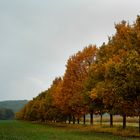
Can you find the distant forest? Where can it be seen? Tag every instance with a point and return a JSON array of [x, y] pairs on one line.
[[9, 108], [97, 80]]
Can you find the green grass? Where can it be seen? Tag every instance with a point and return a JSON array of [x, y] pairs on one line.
[[17, 130]]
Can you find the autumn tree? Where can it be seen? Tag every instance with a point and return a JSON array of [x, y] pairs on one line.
[[122, 69], [73, 81]]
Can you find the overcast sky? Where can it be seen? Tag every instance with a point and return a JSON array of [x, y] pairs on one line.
[[38, 36]]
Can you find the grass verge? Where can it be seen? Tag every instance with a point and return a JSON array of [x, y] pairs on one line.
[[17, 130]]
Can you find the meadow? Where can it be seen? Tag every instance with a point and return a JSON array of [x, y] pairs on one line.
[[19, 130]]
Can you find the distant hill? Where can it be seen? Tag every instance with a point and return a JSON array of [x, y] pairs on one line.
[[14, 105]]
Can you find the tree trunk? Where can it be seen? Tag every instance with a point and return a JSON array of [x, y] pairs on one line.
[[124, 121], [101, 119], [73, 119], [111, 120], [139, 118], [78, 120], [139, 123], [84, 117], [69, 119], [91, 118], [65, 121]]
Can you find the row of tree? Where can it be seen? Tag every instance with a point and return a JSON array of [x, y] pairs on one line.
[[96, 80]]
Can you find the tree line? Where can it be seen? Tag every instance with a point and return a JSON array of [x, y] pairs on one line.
[[6, 114], [97, 80]]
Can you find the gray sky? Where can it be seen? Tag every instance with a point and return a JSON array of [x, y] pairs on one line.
[[38, 36]]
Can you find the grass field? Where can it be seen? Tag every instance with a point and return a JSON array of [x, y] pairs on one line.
[[16, 130]]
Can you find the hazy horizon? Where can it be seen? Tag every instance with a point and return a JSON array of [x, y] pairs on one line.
[[37, 38]]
